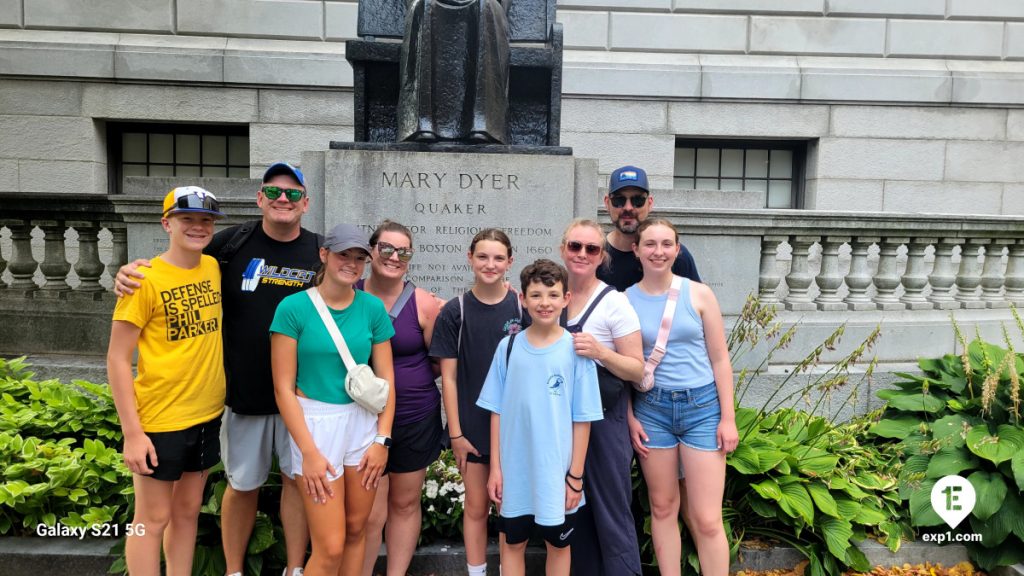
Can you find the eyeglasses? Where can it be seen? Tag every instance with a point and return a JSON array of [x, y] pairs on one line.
[[618, 201], [292, 194], [574, 247], [205, 202], [387, 250]]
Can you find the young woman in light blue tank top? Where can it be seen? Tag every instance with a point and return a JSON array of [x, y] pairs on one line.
[[689, 413]]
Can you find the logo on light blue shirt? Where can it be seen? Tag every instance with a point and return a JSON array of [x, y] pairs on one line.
[[555, 385]]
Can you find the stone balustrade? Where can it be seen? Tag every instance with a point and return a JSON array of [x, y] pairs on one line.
[[54, 215], [856, 261]]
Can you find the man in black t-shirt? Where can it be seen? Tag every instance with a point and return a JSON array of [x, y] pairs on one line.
[[628, 203], [597, 523], [261, 263]]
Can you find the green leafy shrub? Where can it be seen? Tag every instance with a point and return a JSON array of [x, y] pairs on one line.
[[60, 452], [444, 496], [961, 415]]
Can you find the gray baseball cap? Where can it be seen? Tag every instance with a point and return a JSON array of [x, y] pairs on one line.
[[345, 236]]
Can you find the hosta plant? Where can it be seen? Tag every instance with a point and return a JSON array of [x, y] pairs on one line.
[[961, 415]]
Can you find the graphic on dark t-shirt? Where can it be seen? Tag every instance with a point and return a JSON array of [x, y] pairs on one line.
[[483, 327], [259, 275]]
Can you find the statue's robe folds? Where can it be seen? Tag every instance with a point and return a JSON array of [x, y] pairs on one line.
[[454, 71]]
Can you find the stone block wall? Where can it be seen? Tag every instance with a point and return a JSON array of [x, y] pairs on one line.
[[915, 105]]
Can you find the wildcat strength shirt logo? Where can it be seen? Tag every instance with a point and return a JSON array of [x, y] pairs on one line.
[[183, 306], [258, 272]]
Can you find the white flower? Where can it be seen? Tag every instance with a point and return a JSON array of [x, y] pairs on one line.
[[453, 470], [430, 508], [431, 488], [462, 498], [449, 512], [460, 487]]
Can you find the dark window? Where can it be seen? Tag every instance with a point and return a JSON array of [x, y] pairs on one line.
[[774, 168], [169, 150]]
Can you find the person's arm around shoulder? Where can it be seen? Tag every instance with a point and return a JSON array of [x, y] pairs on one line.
[[718, 353], [126, 282], [124, 337]]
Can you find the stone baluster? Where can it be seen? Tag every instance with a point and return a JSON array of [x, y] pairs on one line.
[[55, 266], [799, 278], [89, 268], [768, 279], [992, 274], [119, 241], [887, 279], [22, 265], [969, 277], [914, 279], [1013, 280], [829, 279], [859, 277], [943, 275]]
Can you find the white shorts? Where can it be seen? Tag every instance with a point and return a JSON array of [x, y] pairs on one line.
[[342, 433], [247, 445]]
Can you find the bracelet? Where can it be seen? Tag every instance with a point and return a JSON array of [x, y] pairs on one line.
[[457, 437], [573, 488], [569, 474]]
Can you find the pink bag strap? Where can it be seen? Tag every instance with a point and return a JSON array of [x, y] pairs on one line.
[[659, 345]]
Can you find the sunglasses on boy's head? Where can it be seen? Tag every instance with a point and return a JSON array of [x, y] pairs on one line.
[[574, 247], [387, 250], [618, 200], [195, 202], [292, 194]]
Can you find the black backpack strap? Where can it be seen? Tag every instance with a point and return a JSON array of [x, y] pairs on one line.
[[590, 309], [508, 351], [240, 237], [564, 319], [458, 345], [403, 299]]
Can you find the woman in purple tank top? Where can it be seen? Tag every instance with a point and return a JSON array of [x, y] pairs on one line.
[[417, 429]]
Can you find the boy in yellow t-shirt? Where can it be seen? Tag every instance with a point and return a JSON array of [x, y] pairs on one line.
[[170, 413]]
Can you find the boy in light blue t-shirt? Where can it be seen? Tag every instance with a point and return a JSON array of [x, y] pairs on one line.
[[543, 397]]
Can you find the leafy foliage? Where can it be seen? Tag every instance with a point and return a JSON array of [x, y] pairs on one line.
[[961, 415], [59, 449]]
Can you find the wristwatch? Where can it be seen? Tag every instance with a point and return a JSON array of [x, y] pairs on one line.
[[383, 440]]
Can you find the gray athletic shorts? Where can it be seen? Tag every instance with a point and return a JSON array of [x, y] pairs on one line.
[[248, 444]]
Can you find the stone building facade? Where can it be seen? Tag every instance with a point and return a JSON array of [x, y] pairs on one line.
[[910, 106]]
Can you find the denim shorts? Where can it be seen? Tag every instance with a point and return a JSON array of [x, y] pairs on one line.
[[672, 417]]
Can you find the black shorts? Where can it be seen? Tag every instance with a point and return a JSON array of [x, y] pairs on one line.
[[518, 529], [190, 450], [414, 446]]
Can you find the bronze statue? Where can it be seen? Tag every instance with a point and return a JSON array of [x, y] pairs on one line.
[[454, 72]]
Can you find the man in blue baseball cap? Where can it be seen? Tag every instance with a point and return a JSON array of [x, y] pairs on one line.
[[261, 262], [606, 543], [628, 202]]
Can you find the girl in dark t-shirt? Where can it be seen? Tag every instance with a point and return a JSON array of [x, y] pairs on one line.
[[465, 338]]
